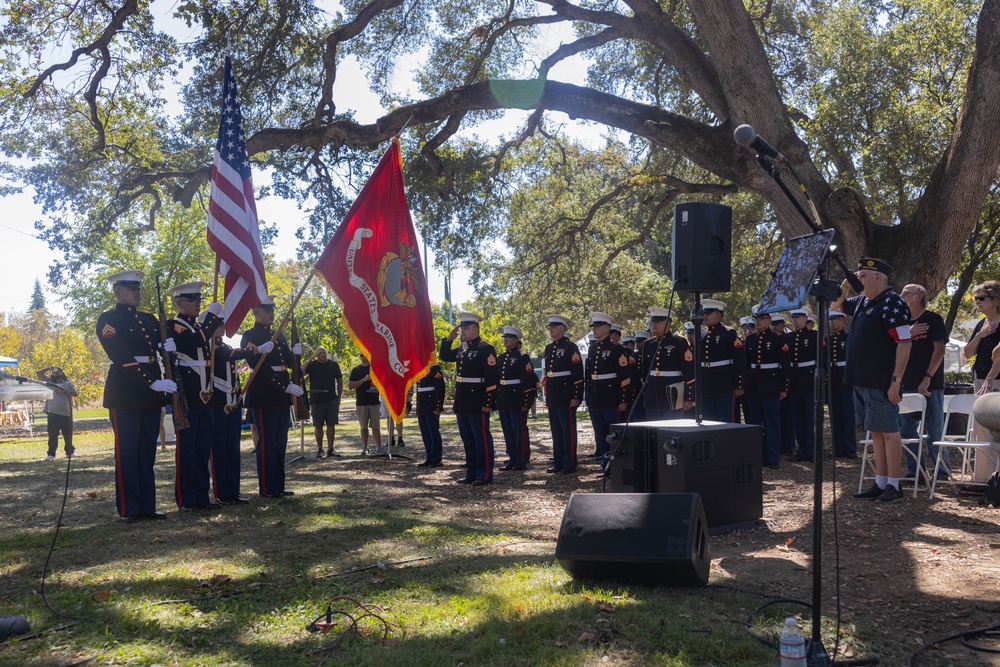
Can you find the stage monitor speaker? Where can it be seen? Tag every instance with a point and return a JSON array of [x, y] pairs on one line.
[[702, 247], [656, 539], [719, 461]]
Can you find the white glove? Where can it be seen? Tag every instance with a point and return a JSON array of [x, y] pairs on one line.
[[215, 308], [297, 349], [264, 348], [168, 386], [294, 390], [169, 345]]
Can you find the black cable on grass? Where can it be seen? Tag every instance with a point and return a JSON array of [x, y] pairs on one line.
[[991, 631]]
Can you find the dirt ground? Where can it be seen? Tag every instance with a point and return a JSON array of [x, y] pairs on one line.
[[910, 573]]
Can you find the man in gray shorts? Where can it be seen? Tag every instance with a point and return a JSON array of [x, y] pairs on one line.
[[877, 351], [366, 400], [325, 387]]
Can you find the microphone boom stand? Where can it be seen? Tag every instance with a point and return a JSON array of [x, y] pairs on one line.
[[824, 291]]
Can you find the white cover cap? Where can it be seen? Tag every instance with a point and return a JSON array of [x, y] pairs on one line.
[[799, 311], [267, 302], [641, 335], [598, 318], [193, 287], [777, 317], [835, 314], [658, 311], [512, 331], [712, 303], [469, 318], [557, 319], [127, 278]]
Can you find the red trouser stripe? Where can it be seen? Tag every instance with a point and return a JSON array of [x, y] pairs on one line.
[[486, 449], [177, 469], [118, 464], [525, 445]]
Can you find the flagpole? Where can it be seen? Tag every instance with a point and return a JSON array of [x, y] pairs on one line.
[[277, 331]]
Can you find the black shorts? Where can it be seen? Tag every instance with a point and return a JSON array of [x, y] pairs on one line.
[[327, 413]]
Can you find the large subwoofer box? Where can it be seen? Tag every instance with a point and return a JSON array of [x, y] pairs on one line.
[[656, 539], [719, 461], [702, 236]]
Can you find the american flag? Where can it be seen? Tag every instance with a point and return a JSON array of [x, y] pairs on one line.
[[232, 214]]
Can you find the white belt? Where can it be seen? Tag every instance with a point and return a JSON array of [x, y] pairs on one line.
[[765, 366], [805, 364], [559, 374], [278, 368], [713, 364], [605, 376], [667, 374], [222, 384], [840, 363], [149, 359], [191, 363], [419, 389], [469, 380], [507, 382]]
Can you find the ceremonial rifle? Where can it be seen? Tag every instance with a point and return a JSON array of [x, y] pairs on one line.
[[178, 400]]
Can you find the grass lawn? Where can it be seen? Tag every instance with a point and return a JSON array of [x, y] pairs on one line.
[[458, 575]]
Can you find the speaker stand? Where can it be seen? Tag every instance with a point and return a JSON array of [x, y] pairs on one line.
[[697, 319]]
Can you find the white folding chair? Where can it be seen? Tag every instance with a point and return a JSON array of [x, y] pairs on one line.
[[971, 450], [910, 404]]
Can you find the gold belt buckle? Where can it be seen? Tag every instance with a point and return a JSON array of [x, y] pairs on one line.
[[551, 374], [656, 373], [594, 376]]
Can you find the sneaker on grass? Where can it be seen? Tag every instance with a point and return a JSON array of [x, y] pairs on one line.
[[890, 495], [871, 493], [50, 458]]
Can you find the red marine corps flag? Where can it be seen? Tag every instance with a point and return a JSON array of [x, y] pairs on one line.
[[373, 267], [232, 214]]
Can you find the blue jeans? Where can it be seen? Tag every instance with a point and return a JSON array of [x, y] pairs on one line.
[[933, 426]]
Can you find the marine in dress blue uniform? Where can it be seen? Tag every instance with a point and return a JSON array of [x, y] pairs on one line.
[[430, 405], [666, 360], [803, 346], [515, 396], [563, 393], [768, 374], [845, 443], [607, 376], [269, 398], [723, 364], [134, 392], [787, 428], [477, 379], [193, 340], [636, 402], [227, 402]]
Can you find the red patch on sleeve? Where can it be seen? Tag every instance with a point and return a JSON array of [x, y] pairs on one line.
[[491, 360], [108, 331], [784, 348], [528, 368], [738, 344], [179, 328], [688, 356], [576, 357]]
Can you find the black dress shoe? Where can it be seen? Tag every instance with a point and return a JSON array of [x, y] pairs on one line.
[[226, 501], [479, 482], [773, 466], [153, 516], [240, 500], [425, 464], [188, 508], [208, 506], [128, 518], [507, 466], [568, 471], [553, 469], [288, 493], [520, 466], [437, 464], [465, 480]]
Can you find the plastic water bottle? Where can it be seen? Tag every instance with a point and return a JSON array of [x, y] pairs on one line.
[[793, 645]]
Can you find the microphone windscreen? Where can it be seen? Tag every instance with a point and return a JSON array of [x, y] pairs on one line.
[[744, 135]]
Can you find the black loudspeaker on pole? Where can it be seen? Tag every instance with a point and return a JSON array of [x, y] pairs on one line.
[[702, 238]]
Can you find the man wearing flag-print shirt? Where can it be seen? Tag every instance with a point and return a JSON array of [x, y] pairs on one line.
[[877, 351]]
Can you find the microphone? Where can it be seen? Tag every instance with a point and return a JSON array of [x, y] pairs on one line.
[[747, 137]]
